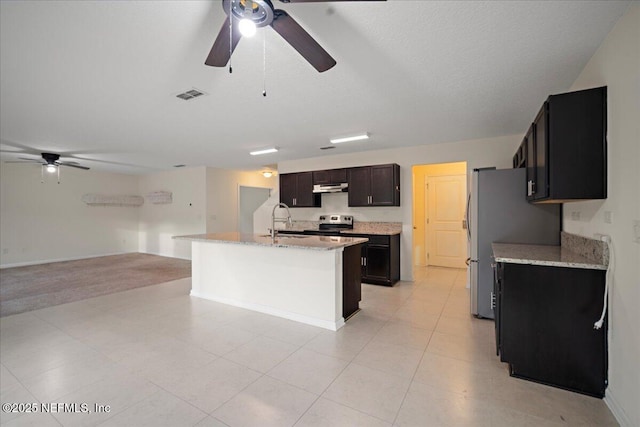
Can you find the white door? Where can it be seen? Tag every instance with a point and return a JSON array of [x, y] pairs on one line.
[[446, 236]]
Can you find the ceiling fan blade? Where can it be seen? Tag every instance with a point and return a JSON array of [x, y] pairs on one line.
[[31, 160], [21, 161], [220, 52], [71, 165], [301, 41]]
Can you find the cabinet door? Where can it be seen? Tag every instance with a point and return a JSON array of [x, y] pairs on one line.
[[337, 176], [359, 186], [304, 194], [542, 171], [546, 330], [331, 176], [384, 186], [497, 291], [351, 280], [377, 262], [321, 177], [288, 185], [530, 145]]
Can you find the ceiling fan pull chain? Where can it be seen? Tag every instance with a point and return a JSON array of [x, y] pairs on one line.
[[264, 63], [230, 35], [42, 174], [58, 169]]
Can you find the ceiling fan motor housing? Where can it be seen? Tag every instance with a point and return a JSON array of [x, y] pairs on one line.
[[258, 11], [51, 158]]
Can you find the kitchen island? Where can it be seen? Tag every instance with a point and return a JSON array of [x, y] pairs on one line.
[[309, 279]]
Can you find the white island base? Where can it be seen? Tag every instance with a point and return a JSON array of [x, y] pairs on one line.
[[304, 284]]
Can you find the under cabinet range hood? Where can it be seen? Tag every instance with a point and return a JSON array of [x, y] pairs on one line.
[[331, 188]]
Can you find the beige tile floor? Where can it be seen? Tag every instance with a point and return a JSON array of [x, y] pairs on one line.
[[412, 357]]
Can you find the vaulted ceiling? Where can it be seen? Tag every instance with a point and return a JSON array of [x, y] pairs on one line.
[[97, 81]]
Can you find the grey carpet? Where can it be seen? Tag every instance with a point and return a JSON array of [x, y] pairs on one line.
[[39, 286]]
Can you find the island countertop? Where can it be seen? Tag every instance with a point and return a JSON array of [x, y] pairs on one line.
[[555, 256], [318, 243]]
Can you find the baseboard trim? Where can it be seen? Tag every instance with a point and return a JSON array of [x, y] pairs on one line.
[[325, 324], [616, 410], [165, 255], [49, 261]]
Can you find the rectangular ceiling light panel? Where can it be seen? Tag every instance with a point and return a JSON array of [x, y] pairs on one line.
[[266, 151], [350, 138]]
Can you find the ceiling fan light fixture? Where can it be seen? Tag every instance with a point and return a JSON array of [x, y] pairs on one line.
[[51, 168], [265, 151], [350, 138], [247, 27]]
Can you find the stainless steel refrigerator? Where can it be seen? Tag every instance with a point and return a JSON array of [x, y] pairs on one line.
[[497, 211]]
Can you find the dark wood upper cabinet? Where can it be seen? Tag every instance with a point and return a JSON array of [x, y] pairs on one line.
[[377, 185], [331, 176], [359, 186], [567, 148], [296, 190]]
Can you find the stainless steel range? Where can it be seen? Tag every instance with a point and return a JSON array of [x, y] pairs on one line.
[[331, 225]]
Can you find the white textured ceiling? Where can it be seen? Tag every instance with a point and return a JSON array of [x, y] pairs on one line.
[[98, 79]]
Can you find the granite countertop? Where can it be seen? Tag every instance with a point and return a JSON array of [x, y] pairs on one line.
[[556, 256], [381, 228], [318, 243]]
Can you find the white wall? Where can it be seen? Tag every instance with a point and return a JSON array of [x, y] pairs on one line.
[[617, 65], [477, 153], [222, 196], [186, 215], [44, 222]]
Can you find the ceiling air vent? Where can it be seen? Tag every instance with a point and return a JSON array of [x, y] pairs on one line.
[[190, 94], [330, 147]]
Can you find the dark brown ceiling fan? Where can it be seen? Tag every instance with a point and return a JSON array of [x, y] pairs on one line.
[[51, 161], [261, 13]]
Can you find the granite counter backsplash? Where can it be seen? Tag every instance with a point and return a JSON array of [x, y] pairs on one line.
[[589, 248]]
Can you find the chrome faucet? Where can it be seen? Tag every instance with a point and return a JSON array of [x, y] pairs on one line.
[[274, 219]]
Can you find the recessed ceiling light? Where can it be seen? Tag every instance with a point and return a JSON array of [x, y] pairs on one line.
[[350, 138], [266, 151]]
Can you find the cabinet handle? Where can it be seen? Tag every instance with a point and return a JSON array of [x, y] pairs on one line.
[[531, 188], [294, 201], [365, 262]]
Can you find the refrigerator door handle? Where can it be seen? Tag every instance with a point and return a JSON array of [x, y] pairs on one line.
[[466, 214]]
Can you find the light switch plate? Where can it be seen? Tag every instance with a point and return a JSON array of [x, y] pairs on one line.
[[636, 230], [608, 217]]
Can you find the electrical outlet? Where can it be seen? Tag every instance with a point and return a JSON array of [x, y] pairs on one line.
[[575, 216], [608, 217]]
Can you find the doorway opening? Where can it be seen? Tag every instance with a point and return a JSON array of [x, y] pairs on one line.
[[439, 203], [249, 199]]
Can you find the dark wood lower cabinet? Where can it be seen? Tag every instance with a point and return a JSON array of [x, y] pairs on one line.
[[380, 259], [544, 325], [351, 280]]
